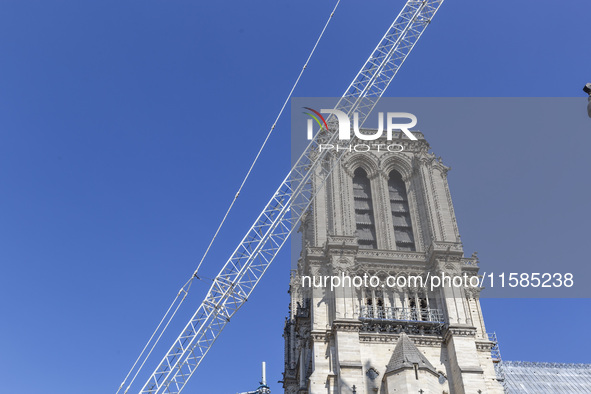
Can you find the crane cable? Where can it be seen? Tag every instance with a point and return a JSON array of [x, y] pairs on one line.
[[185, 289], [267, 138]]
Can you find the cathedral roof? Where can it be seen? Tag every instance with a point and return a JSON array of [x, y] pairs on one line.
[[547, 378], [406, 354]]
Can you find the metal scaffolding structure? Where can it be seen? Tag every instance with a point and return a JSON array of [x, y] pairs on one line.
[[495, 353]]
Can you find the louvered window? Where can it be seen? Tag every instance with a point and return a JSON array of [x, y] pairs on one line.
[[364, 217], [400, 213]]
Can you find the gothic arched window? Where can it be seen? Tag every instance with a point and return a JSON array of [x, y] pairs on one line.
[[364, 217], [400, 212]]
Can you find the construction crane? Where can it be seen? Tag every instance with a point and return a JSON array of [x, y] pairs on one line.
[[253, 255], [263, 388]]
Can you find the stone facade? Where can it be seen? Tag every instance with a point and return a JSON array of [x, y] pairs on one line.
[[385, 214]]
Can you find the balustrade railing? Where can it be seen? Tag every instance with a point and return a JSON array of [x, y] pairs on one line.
[[401, 314]]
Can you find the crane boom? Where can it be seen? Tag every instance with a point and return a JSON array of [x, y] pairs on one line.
[[249, 261]]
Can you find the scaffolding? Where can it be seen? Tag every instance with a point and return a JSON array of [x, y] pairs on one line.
[[495, 354]]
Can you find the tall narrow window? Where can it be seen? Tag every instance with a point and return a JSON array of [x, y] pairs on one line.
[[424, 309], [369, 306], [400, 213], [380, 305], [364, 218]]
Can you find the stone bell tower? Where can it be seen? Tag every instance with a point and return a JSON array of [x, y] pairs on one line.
[[388, 216]]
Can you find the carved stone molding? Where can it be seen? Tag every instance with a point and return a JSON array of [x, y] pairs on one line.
[[469, 262], [485, 346], [346, 325], [383, 270], [431, 340], [341, 240], [447, 248], [391, 255], [377, 338], [320, 336], [365, 160], [427, 341], [473, 292], [341, 245], [458, 331], [401, 163]]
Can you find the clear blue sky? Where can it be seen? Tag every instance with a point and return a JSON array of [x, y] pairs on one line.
[[126, 127]]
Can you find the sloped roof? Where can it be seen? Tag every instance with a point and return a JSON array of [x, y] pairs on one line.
[[548, 378], [406, 354]]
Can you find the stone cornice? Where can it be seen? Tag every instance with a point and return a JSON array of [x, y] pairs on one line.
[[459, 331], [470, 262], [484, 345], [419, 340], [346, 325], [347, 246], [442, 249], [320, 336], [376, 254], [473, 369], [314, 252], [384, 271], [341, 241], [341, 245]]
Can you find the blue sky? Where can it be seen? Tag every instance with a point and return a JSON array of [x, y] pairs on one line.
[[126, 128]]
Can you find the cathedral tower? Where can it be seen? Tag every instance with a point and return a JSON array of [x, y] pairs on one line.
[[387, 216]]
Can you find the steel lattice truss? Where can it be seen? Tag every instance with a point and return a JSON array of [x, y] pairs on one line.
[[244, 269]]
